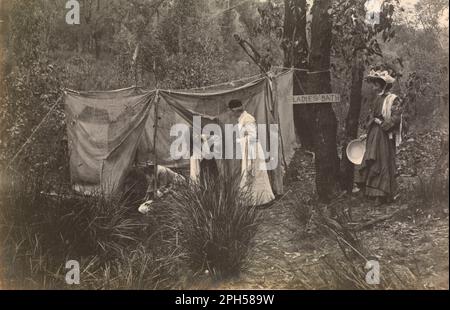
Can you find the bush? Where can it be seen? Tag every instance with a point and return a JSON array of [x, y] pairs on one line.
[[115, 246], [348, 274], [430, 191], [215, 223]]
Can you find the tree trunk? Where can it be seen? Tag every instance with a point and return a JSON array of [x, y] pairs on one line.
[[352, 122], [5, 66], [295, 48], [319, 81]]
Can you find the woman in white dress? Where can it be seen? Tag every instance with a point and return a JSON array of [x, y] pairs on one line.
[[253, 165]]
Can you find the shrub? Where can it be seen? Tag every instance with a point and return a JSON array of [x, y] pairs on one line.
[[115, 246], [215, 223], [350, 274], [430, 191]]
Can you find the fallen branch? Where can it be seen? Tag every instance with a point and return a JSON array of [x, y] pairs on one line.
[[374, 221]]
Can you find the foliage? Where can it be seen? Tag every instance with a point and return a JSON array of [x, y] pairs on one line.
[[41, 231], [167, 44], [352, 33], [177, 44], [420, 54], [183, 44], [430, 191], [216, 224]]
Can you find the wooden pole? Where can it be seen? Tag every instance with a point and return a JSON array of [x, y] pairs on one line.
[[135, 65], [155, 132], [155, 158], [255, 57]]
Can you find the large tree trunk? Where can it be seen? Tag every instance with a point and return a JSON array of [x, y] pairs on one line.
[[5, 66], [319, 81], [295, 48], [5, 7], [352, 122]]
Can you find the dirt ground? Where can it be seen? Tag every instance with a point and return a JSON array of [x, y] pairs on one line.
[[290, 253]]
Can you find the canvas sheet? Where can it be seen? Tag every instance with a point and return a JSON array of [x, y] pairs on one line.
[[110, 131]]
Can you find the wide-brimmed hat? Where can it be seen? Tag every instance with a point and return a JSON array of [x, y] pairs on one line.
[[382, 75], [355, 151]]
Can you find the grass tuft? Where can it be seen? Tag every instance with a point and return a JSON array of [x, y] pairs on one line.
[[115, 245], [216, 224]]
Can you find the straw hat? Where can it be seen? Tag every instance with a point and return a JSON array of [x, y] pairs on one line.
[[380, 74], [355, 151]]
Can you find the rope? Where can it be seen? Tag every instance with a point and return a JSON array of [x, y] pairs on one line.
[[78, 92], [292, 68], [224, 83], [296, 78], [34, 131], [304, 70], [321, 71]]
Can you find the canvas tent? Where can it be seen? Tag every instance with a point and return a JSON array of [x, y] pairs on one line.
[[109, 131]]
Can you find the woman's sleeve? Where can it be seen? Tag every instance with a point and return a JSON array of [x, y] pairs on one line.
[[251, 130], [396, 113], [369, 119]]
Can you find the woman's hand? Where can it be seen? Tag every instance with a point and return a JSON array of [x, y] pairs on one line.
[[378, 121], [385, 126], [363, 137]]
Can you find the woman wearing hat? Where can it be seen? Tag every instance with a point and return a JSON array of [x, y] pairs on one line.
[[376, 174]]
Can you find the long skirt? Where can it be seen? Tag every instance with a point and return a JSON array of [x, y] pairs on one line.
[[256, 183], [376, 174]]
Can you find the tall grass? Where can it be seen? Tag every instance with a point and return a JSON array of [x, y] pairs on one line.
[[346, 267], [216, 224], [115, 246], [205, 226], [430, 191]]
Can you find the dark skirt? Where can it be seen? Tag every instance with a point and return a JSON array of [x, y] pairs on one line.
[[376, 174]]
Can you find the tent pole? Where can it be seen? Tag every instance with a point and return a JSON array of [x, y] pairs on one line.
[[135, 65], [155, 159]]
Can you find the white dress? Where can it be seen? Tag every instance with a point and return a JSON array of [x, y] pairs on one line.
[[253, 164]]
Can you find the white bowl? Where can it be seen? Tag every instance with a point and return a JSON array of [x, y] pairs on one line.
[[355, 151]]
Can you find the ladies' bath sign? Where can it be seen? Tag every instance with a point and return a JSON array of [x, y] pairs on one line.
[[316, 98]]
